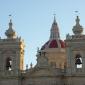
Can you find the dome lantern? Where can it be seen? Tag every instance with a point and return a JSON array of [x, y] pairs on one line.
[[54, 32], [54, 41]]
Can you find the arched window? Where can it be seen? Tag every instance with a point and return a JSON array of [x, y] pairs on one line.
[[78, 61], [8, 64]]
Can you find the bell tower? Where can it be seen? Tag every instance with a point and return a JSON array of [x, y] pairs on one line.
[[75, 49], [11, 52]]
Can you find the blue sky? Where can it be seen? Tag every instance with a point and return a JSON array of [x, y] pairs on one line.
[[32, 20]]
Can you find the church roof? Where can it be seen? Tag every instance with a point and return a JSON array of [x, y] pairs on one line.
[[54, 41], [53, 44]]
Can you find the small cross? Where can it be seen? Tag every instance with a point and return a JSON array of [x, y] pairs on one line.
[[10, 16], [54, 15], [77, 12]]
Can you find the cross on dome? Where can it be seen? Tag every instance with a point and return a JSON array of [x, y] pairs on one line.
[[54, 41], [54, 18]]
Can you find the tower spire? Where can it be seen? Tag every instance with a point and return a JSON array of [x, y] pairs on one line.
[[54, 18], [10, 33], [54, 30]]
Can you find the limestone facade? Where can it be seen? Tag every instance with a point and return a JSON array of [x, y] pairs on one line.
[[58, 62]]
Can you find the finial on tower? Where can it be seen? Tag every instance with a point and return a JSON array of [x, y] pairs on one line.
[[10, 16], [77, 12], [10, 33], [10, 22], [54, 18], [77, 21], [54, 30], [77, 18], [77, 29]]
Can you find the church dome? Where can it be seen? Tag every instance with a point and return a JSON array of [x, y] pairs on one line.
[[54, 41], [53, 44]]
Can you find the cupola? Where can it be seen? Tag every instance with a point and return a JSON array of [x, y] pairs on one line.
[[10, 33], [54, 41], [77, 29]]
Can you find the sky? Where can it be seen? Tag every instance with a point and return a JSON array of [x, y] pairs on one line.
[[32, 20]]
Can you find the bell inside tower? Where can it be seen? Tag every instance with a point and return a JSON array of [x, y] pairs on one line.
[[78, 61], [8, 64]]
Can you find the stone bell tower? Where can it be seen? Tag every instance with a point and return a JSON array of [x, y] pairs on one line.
[[11, 52], [75, 49]]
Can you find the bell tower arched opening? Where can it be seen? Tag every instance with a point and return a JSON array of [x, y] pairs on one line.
[[9, 64], [78, 61]]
